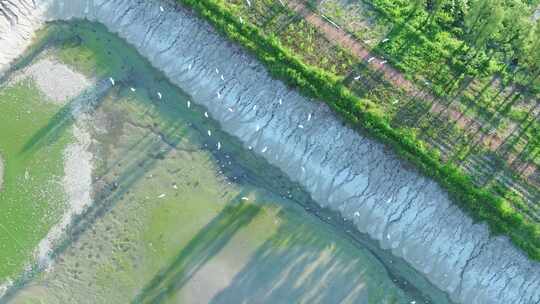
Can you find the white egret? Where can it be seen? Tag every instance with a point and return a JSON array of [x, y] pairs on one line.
[[133, 89], [159, 95], [219, 145], [206, 114], [111, 80], [209, 133], [264, 149], [309, 117], [189, 104], [161, 9], [301, 126], [230, 110]]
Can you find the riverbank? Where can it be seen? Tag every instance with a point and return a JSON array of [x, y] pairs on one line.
[[207, 213], [343, 170]]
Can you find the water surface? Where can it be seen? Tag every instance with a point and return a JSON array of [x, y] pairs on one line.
[[184, 213]]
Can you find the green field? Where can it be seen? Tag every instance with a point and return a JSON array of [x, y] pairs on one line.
[[32, 197]]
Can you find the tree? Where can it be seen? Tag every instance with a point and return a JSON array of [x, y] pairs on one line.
[[482, 21], [532, 51], [515, 30]]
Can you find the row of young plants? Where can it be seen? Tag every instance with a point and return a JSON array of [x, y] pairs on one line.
[[321, 85]]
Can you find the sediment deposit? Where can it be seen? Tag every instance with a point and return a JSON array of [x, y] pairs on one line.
[[343, 170]]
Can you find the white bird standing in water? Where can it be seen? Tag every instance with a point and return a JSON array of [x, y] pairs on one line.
[[301, 126], [255, 108], [280, 101], [206, 114], [219, 145], [222, 78], [189, 104], [112, 81], [209, 133], [133, 89], [161, 8], [159, 95], [231, 110], [219, 95], [217, 71], [309, 117], [264, 149]]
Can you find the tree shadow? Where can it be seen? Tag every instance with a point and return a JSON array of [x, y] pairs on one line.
[[205, 245], [296, 266], [85, 103]]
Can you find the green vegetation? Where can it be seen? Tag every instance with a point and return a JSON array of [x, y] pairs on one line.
[[318, 83], [32, 197]]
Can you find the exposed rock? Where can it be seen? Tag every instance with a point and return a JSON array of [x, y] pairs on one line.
[[342, 169]]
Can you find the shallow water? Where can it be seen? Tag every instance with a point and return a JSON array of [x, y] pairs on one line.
[[183, 213]]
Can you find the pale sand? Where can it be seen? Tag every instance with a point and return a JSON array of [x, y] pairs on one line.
[[77, 183], [58, 82]]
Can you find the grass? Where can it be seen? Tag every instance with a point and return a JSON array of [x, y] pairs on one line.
[[32, 196]]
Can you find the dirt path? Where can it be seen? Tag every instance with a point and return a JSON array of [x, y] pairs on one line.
[[333, 33]]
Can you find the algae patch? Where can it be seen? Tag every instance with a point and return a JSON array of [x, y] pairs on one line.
[[1, 172]]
